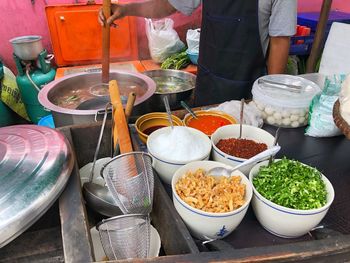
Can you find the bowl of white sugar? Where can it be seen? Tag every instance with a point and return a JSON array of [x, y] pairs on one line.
[[173, 148]]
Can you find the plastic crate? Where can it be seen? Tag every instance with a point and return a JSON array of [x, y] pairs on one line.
[[301, 49], [310, 19]]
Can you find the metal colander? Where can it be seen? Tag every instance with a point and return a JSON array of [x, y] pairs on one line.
[[126, 236], [130, 180]]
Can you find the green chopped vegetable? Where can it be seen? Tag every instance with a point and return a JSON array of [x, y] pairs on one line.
[[72, 98], [291, 184], [176, 61]]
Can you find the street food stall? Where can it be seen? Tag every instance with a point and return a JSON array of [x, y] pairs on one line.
[[129, 175]]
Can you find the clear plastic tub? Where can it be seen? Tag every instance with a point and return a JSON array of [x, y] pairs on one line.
[[281, 105]]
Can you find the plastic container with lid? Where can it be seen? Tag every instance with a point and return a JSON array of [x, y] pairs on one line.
[[282, 106]]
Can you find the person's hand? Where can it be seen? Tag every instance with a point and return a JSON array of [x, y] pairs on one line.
[[117, 13]]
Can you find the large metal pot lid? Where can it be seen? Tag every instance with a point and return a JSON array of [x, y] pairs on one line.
[[35, 165]]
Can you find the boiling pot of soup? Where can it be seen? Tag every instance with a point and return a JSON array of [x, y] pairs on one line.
[[64, 95]]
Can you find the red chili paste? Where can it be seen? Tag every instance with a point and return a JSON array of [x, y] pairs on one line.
[[241, 148]]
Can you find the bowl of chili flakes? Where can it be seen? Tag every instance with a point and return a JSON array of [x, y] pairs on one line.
[[228, 149]]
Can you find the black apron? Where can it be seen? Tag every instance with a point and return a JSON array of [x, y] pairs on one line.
[[231, 57]]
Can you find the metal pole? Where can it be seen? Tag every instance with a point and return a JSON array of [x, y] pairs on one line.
[[319, 35]]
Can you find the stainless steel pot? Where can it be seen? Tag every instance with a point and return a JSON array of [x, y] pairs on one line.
[[168, 79], [27, 47], [143, 86]]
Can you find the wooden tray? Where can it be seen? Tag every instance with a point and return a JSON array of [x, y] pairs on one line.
[[339, 121], [249, 242], [70, 241]]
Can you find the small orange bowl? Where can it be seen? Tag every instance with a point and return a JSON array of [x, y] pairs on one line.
[[208, 121], [152, 121]]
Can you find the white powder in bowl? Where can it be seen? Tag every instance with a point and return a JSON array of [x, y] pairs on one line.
[[179, 145]]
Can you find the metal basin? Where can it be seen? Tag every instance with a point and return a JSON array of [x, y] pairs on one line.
[[27, 47], [50, 95], [177, 85]]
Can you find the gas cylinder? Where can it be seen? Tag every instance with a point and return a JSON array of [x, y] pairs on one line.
[[32, 76]]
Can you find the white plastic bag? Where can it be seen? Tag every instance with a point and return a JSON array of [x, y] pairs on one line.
[[163, 40], [321, 123], [251, 114], [192, 39]]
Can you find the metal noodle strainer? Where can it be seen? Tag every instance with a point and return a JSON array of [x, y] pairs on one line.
[[130, 180], [126, 236]]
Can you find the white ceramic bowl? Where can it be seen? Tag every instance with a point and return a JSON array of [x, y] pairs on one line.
[[205, 225], [232, 131], [286, 222], [165, 166]]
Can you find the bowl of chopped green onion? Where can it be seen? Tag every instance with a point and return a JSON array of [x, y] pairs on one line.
[[290, 198]]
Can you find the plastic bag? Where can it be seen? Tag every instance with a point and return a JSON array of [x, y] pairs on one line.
[[10, 94], [163, 40], [251, 114], [192, 39], [321, 123]]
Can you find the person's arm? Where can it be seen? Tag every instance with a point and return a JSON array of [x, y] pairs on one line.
[[149, 9], [282, 26], [278, 55]]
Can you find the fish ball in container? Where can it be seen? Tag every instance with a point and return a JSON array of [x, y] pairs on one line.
[[281, 105]]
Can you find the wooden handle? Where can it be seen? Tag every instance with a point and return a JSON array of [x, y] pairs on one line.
[[119, 119], [130, 104], [106, 42]]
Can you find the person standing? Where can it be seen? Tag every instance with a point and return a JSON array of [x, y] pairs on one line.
[[240, 41]]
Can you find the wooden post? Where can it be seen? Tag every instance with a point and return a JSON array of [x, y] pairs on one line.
[[319, 35], [106, 42]]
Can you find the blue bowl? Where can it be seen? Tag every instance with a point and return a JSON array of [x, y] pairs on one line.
[[193, 57], [47, 121]]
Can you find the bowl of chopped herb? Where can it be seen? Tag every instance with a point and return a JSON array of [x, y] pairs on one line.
[[290, 198]]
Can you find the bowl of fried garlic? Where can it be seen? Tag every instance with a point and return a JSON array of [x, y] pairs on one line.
[[210, 206]]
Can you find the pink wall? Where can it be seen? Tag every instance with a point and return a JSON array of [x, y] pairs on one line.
[[20, 17]]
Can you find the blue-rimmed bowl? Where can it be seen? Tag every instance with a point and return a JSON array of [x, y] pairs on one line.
[[232, 131], [287, 222], [193, 56], [205, 225], [166, 166]]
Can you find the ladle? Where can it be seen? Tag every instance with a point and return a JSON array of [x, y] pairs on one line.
[[95, 195], [241, 119], [222, 171], [106, 41], [183, 104], [94, 103], [281, 86], [167, 108]]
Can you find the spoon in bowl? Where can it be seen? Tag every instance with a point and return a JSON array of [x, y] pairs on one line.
[[241, 119], [277, 135], [222, 171], [167, 108], [190, 111]]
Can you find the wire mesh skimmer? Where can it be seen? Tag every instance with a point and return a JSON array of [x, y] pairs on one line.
[[130, 180], [126, 236]]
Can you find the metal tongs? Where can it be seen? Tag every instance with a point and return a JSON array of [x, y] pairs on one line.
[[281, 86]]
